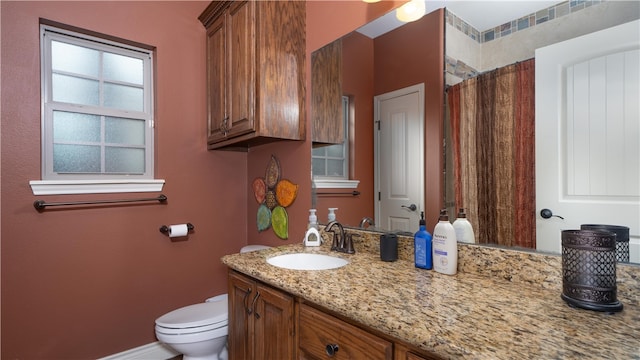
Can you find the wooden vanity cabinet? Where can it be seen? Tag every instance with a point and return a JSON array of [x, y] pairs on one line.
[[261, 320], [255, 72], [402, 352], [323, 336]]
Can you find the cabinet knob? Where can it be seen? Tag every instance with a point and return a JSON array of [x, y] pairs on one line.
[[331, 349]]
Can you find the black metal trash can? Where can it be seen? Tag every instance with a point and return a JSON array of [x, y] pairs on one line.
[[589, 270], [622, 238]]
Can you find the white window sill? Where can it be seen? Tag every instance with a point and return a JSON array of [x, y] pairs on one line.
[[336, 184], [63, 187]]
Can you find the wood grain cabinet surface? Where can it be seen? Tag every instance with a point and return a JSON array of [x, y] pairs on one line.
[[261, 320], [326, 94], [323, 336], [255, 72]]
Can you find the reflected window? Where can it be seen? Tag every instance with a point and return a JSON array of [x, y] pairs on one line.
[[332, 161], [97, 106]]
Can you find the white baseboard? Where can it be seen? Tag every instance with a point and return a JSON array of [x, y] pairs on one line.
[[153, 351]]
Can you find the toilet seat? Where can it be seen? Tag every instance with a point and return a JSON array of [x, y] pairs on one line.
[[194, 318]]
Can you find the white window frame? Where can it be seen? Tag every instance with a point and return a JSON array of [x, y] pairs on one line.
[[343, 182], [53, 183]]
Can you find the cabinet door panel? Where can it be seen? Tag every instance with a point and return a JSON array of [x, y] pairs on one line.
[[241, 292], [326, 94], [319, 330], [281, 107], [241, 65], [274, 324], [216, 37]]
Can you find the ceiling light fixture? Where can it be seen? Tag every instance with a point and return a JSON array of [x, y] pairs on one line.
[[411, 11], [371, 1]]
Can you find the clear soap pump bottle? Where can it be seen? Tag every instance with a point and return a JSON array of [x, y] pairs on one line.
[[422, 246], [313, 219], [312, 236], [332, 214]]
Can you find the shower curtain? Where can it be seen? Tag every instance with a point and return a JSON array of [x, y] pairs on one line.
[[492, 136]]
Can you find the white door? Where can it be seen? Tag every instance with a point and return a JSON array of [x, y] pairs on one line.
[[399, 158], [587, 135]]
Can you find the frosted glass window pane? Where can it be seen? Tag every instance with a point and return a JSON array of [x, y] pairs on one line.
[[123, 97], [76, 158], [335, 167], [318, 151], [124, 131], [75, 59], [335, 151], [75, 127], [124, 160], [123, 68], [75, 90], [318, 167]]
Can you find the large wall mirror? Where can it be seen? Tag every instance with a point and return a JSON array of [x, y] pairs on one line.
[[466, 52]]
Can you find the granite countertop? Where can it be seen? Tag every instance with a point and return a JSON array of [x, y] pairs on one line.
[[472, 315]]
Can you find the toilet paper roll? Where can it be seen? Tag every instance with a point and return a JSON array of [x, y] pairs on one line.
[[178, 230]]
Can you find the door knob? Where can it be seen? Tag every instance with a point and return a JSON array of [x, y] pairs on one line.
[[411, 207], [547, 214]]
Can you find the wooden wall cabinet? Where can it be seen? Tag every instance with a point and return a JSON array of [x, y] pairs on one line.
[[255, 72], [326, 94], [261, 320]]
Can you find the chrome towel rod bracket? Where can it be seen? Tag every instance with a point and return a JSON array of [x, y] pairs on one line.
[[41, 204]]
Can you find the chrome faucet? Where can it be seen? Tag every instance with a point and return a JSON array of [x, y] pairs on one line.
[[342, 241], [366, 220]]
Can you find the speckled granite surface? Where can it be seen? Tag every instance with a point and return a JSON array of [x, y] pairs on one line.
[[502, 304]]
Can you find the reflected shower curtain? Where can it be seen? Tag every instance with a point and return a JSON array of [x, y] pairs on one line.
[[491, 124]]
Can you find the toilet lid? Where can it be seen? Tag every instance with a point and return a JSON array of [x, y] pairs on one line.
[[197, 315]]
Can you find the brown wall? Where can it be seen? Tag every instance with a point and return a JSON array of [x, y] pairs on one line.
[[87, 282], [80, 283]]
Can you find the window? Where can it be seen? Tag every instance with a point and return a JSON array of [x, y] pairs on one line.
[[97, 110], [330, 164]]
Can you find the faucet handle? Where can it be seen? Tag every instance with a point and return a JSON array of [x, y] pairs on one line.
[[348, 245]]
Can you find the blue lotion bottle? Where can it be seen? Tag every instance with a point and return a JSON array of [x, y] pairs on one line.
[[422, 246]]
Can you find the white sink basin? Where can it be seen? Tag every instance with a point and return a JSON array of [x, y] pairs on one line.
[[305, 261]]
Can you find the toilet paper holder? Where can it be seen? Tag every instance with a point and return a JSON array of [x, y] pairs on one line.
[[165, 229]]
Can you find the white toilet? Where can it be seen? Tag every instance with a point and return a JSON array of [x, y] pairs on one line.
[[199, 332]]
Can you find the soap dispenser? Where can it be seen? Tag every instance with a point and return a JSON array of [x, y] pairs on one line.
[[313, 219], [332, 214], [312, 236], [463, 228], [422, 246], [445, 246]]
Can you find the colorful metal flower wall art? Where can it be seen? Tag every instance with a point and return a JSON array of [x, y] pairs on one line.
[[274, 195]]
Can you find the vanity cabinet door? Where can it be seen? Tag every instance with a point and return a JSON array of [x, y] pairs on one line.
[[323, 336], [274, 324], [261, 320], [241, 292]]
